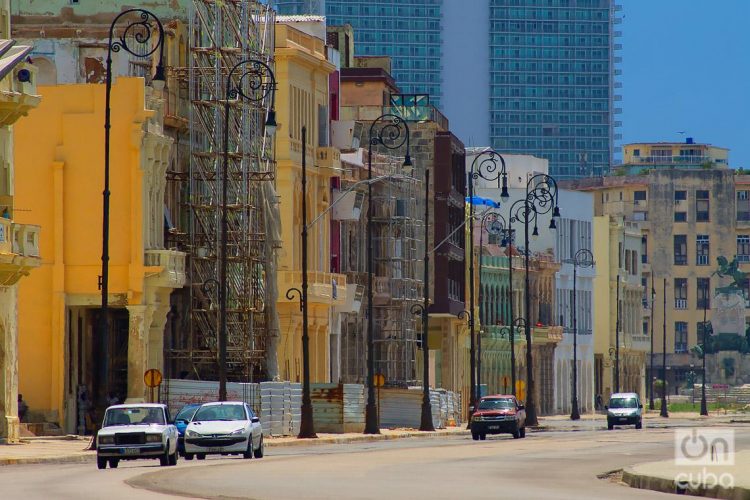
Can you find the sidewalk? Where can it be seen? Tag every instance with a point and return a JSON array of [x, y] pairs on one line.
[[73, 449], [714, 481]]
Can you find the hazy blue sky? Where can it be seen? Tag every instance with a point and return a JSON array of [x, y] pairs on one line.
[[686, 67]]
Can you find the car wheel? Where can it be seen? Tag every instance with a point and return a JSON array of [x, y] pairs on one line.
[[516, 433], [639, 425], [173, 458], [483, 436], [200, 456], [475, 436], [113, 463], [522, 432], [249, 451], [164, 459], [610, 426], [188, 456], [258, 453], [101, 463]]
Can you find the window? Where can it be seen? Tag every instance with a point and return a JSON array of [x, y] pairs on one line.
[[704, 292], [680, 195], [680, 250], [743, 247], [680, 336], [644, 249], [680, 216], [639, 196], [636, 152], [702, 250], [680, 293], [743, 205], [701, 206]]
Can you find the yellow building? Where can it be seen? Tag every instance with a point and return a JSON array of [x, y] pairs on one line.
[[19, 242], [617, 252], [60, 155], [302, 72]]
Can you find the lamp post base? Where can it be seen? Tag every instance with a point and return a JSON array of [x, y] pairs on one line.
[[651, 405], [664, 413], [371, 419], [575, 414], [704, 407], [426, 423], [307, 427]]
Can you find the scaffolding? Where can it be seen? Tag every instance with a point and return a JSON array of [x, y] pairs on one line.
[[398, 251], [222, 34]]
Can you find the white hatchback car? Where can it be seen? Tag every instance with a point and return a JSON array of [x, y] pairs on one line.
[[225, 428]]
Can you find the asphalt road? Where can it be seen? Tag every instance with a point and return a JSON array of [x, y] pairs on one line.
[[544, 465]]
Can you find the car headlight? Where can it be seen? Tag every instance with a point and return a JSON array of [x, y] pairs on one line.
[[237, 431], [106, 440], [192, 434], [153, 438], [478, 418]]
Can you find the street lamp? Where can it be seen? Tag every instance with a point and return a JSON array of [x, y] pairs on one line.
[[254, 82], [663, 412], [541, 198], [307, 424], [426, 420], [617, 335], [494, 224], [582, 258], [706, 292], [137, 40], [393, 133], [486, 166], [651, 370], [510, 332]]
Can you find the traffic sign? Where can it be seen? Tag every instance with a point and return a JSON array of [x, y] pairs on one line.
[[152, 378], [378, 380], [521, 390]]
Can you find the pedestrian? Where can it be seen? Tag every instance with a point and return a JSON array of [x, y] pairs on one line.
[[112, 399], [598, 402], [23, 408]]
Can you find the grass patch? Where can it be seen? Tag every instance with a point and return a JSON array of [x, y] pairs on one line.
[[696, 407]]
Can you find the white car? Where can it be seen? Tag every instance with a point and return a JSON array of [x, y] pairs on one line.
[[136, 431], [224, 428]]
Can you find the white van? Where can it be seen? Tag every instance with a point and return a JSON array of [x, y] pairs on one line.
[[624, 408]]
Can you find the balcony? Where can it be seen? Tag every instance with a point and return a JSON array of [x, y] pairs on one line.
[[640, 343], [323, 288], [19, 250], [328, 157], [680, 303], [165, 268]]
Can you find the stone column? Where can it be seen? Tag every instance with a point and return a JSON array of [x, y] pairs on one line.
[[137, 352], [9, 431]]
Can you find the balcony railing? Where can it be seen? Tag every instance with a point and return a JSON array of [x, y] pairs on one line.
[[172, 264], [26, 240], [680, 303], [668, 160]]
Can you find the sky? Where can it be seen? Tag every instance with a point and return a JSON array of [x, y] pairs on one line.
[[686, 68]]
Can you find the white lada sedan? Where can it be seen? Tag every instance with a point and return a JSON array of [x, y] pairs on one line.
[[136, 431], [226, 428]]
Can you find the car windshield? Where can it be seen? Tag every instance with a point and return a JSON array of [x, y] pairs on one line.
[[220, 412], [623, 403], [186, 413], [496, 404], [139, 415]]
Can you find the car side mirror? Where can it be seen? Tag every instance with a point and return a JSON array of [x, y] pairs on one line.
[[640, 406], [471, 408], [255, 420], [521, 407]]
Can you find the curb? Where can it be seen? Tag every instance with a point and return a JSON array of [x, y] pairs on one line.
[[91, 457], [666, 485]]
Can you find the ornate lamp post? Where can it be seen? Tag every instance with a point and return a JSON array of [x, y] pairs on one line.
[[651, 370], [494, 224], [582, 258], [663, 412], [421, 309], [510, 332], [391, 132], [706, 292], [141, 37], [541, 198], [490, 166], [251, 80]]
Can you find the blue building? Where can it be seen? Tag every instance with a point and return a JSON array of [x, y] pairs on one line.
[[407, 30], [525, 76]]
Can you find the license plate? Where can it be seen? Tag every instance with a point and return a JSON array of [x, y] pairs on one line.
[[493, 427], [623, 419], [130, 451], [215, 450]]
